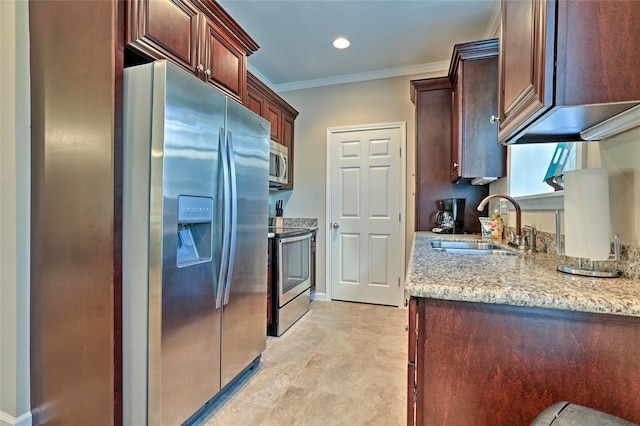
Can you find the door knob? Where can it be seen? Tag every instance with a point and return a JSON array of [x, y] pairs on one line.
[[335, 225]]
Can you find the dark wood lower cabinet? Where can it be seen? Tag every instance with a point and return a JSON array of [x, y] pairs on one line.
[[481, 364], [269, 282], [312, 264]]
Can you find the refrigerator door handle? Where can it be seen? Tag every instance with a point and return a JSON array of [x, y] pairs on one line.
[[224, 258], [233, 213]]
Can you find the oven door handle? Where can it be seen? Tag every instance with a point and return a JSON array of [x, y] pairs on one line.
[[295, 238]]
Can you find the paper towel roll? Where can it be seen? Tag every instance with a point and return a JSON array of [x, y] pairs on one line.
[[586, 214]]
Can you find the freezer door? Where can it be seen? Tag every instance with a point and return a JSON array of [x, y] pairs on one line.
[[185, 156], [171, 326], [244, 310]]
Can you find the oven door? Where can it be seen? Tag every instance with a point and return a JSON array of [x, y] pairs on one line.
[[293, 267]]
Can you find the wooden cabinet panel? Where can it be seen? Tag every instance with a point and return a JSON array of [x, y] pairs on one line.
[[254, 103], [197, 35], [565, 66], [165, 29], [433, 102], [312, 264], [526, 71], [274, 116], [456, 127], [412, 337], [225, 62], [270, 297], [475, 150], [502, 365]]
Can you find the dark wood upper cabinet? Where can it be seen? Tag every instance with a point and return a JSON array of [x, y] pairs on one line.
[[433, 100], [266, 103], [197, 35], [565, 66], [224, 63], [255, 102], [165, 29], [474, 76], [274, 116]]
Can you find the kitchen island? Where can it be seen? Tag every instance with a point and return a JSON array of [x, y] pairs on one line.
[[500, 338]]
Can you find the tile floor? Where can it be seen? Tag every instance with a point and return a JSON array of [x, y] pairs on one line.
[[341, 364]]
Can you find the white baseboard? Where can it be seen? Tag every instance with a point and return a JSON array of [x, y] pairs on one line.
[[320, 297], [23, 420]]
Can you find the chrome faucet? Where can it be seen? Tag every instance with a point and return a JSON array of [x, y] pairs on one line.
[[518, 240]]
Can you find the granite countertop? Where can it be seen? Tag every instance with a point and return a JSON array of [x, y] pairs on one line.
[[522, 280]]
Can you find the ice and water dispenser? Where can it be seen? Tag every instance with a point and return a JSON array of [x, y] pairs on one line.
[[195, 216]]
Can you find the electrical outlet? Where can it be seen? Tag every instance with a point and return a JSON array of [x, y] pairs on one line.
[[504, 207]]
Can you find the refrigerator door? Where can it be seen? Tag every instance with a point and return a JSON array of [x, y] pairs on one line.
[[171, 244], [244, 310], [186, 347]]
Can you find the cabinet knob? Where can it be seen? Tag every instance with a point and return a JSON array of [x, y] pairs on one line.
[[200, 67], [406, 327], [335, 225], [208, 72], [494, 119], [455, 164]]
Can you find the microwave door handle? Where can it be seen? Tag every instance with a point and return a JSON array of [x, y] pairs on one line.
[[283, 173], [224, 258], [233, 207]]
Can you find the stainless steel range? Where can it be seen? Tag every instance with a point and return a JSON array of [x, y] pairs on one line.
[[292, 279]]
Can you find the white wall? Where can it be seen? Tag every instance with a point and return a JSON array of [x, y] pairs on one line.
[[14, 213], [369, 102], [620, 156]]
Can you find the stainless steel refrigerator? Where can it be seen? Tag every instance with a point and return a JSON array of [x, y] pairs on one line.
[[195, 177]]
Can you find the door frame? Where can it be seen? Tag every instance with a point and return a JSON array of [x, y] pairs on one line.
[[402, 126]]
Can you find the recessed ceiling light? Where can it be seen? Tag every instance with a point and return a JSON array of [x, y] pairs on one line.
[[341, 43]]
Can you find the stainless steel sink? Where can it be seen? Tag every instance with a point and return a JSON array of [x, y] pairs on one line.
[[470, 247]]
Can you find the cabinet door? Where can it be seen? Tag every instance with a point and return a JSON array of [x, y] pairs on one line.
[[526, 63], [274, 116], [269, 282], [224, 62], [255, 102], [312, 264], [411, 364], [164, 29], [480, 154], [456, 126]]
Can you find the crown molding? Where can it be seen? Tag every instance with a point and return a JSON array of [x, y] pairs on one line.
[[442, 66], [494, 23]]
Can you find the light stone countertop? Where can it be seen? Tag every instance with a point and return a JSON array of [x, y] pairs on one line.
[[523, 280]]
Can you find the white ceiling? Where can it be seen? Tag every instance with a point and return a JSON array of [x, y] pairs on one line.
[[388, 38]]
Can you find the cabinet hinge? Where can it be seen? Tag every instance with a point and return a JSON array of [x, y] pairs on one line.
[[399, 217], [398, 282], [400, 151]]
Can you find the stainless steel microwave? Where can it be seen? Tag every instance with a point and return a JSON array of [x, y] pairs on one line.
[[278, 165]]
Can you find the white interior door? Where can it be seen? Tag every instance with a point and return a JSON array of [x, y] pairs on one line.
[[366, 199]]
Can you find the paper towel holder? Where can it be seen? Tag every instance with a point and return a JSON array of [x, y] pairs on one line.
[[588, 269]]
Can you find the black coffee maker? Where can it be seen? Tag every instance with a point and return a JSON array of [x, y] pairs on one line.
[[450, 217]]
